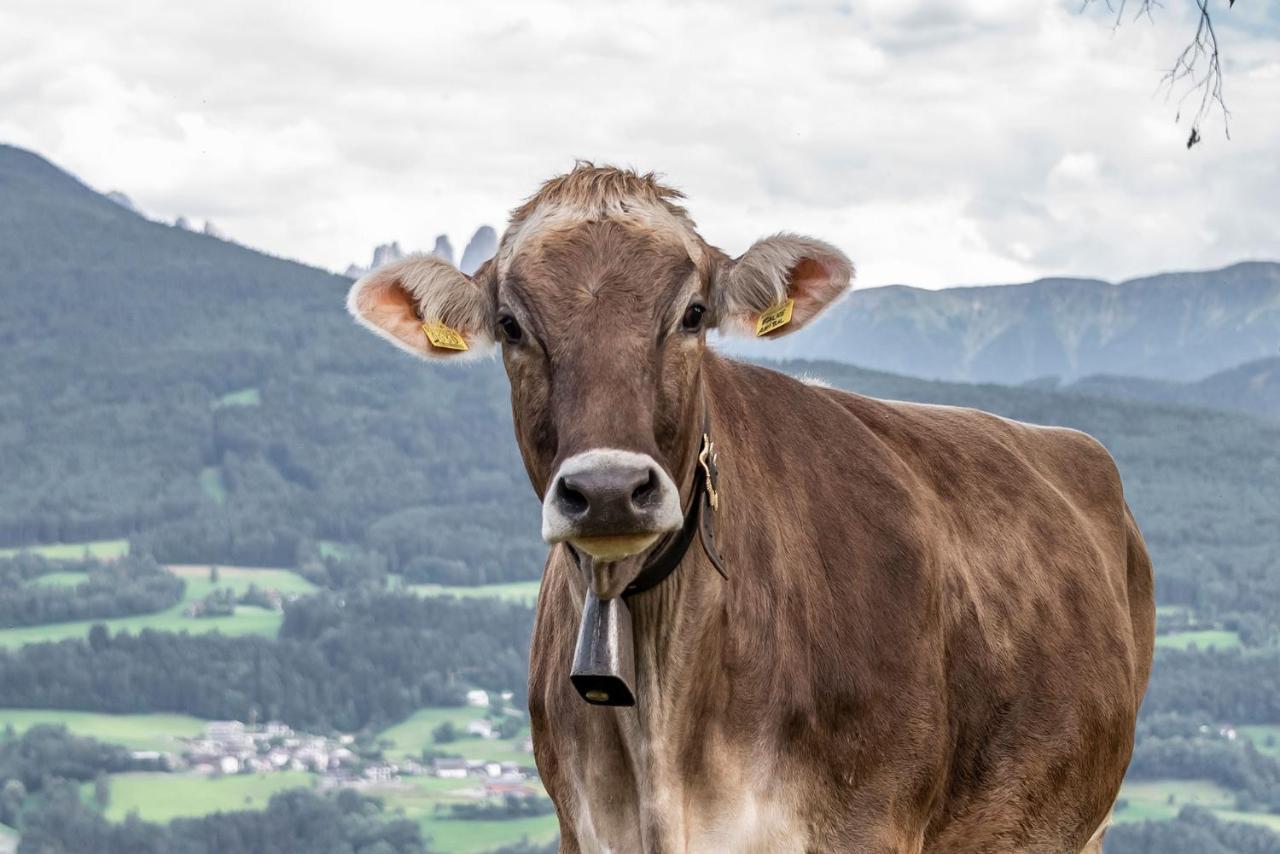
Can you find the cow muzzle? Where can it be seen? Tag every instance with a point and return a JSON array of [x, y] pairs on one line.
[[610, 504]]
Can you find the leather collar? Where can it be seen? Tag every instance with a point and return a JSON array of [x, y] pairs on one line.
[[699, 517]]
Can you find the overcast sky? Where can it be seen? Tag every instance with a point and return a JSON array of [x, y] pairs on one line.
[[937, 141]]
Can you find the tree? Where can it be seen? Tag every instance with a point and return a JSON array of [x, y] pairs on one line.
[[444, 733], [1199, 64], [102, 790], [213, 574]]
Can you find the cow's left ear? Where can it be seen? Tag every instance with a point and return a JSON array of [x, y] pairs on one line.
[[425, 306], [780, 284]]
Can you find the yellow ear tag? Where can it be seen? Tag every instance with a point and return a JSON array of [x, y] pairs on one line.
[[775, 318], [444, 337]]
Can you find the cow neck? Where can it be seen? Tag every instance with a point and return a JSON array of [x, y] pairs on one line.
[[699, 520]]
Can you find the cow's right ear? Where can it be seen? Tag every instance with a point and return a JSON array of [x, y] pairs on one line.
[[424, 305]]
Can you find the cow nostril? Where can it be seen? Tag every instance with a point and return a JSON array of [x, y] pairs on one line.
[[570, 499], [642, 492]]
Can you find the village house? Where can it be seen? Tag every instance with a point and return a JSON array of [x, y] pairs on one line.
[[449, 768], [482, 728]]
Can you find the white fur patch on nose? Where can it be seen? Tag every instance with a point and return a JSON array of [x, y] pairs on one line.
[[663, 515]]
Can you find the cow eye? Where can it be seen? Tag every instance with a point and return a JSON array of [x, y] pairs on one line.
[[692, 320], [510, 328]]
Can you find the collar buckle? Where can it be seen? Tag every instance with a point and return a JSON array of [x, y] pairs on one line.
[[707, 460]]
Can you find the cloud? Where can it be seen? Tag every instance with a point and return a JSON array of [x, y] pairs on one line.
[[938, 141]]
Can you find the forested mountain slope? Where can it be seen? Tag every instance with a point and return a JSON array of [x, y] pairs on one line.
[[216, 404], [220, 402], [1253, 387]]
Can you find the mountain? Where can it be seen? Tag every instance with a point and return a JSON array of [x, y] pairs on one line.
[[1174, 326], [1253, 387], [123, 201], [385, 253], [443, 248], [480, 248], [201, 397], [216, 404]]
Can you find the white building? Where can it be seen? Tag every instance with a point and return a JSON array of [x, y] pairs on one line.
[[449, 768], [476, 697], [223, 730]]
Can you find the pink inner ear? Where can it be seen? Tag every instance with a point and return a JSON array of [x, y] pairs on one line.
[[389, 306], [810, 286]]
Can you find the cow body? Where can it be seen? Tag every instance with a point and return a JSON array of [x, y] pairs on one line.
[[935, 636], [937, 626]]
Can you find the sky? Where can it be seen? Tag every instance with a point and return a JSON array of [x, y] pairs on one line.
[[938, 142]]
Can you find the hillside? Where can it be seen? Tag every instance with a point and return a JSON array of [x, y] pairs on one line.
[[219, 403], [215, 404], [1175, 326], [1253, 387]]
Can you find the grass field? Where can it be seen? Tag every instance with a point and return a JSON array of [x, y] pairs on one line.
[[1203, 639], [1159, 800], [243, 397], [104, 549], [239, 578], [1260, 734], [160, 797], [333, 548], [59, 579], [511, 591], [417, 799], [211, 483], [137, 732], [245, 621], [1150, 799], [411, 735]]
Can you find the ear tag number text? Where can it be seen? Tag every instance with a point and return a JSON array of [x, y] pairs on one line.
[[775, 318], [444, 337]]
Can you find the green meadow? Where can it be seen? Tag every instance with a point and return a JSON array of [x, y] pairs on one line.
[[1265, 737], [418, 798], [246, 620], [512, 591], [1159, 800], [409, 737], [58, 579], [153, 731], [212, 485], [243, 397], [102, 549], [160, 797], [1202, 639]]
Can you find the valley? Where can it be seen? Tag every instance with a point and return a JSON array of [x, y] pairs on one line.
[[356, 543]]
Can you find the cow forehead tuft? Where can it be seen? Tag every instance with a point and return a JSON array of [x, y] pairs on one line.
[[589, 186], [592, 193]]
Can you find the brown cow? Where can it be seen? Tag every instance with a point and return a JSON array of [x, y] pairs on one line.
[[935, 625]]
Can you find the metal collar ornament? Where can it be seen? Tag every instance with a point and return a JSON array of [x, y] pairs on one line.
[[604, 659]]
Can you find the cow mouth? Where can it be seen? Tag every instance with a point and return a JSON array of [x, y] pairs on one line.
[[615, 547]]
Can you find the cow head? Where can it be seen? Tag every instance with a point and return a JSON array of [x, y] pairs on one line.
[[600, 298]]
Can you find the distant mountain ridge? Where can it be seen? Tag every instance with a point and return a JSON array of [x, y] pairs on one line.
[[1253, 387], [1173, 326], [480, 248]]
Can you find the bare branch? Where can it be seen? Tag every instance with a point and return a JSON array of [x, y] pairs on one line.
[[1199, 65]]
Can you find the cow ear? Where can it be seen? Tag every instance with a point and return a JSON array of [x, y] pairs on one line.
[[780, 284], [424, 305]]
